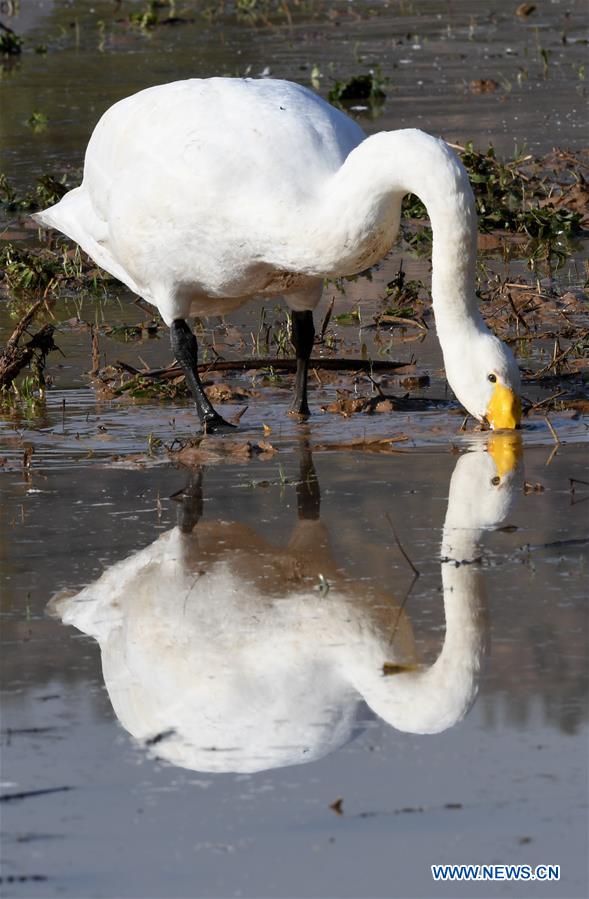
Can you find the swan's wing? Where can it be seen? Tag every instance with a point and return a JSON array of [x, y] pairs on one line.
[[76, 217], [221, 139], [189, 188]]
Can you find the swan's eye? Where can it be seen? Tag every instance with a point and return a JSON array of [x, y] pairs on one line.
[[492, 378], [496, 481]]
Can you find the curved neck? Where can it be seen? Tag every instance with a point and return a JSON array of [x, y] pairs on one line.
[[433, 699], [357, 217]]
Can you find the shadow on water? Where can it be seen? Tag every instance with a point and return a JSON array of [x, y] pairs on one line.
[[223, 652]]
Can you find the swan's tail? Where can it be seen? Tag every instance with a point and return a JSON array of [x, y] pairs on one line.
[[75, 217]]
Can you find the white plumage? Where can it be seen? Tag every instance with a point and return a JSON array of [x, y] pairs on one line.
[[221, 640], [201, 194]]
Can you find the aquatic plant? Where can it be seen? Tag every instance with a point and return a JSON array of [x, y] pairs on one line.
[[47, 270], [37, 121], [10, 42], [49, 189], [368, 86]]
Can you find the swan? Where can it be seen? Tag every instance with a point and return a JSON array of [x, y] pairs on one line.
[[201, 194], [220, 654]]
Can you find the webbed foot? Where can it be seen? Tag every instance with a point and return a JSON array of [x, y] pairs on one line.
[[216, 424]]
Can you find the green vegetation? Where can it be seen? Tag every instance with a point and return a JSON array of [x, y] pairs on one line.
[[49, 270], [348, 318], [10, 43], [402, 295], [541, 199], [139, 388], [368, 87], [23, 399], [37, 121], [48, 190], [147, 17]]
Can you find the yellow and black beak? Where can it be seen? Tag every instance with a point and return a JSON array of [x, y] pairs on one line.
[[506, 451], [505, 409]]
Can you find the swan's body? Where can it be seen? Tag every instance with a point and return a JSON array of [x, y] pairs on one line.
[[222, 642], [201, 194]]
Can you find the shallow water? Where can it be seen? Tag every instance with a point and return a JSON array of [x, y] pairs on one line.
[[185, 706], [429, 51], [506, 783]]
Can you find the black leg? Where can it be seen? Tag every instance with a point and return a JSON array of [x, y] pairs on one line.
[[185, 349], [190, 499], [308, 492], [303, 335]]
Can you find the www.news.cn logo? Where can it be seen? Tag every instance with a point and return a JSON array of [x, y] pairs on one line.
[[495, 872]]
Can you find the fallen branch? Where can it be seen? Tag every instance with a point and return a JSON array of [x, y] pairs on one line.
[[288, 365], [14, 357]]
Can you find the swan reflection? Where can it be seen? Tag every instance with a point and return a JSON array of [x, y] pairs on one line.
[[222, 652]]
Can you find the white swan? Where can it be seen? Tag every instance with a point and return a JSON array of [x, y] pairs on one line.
[[201, 194], [222, 643]]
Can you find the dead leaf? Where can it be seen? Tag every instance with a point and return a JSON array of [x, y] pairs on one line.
[[483, 86], [415, 382], [525, 9], [266, 447], [532, 488], [211, 450], [224, 393], [346, 405], [575, 197], [337, 806], [579, 405]]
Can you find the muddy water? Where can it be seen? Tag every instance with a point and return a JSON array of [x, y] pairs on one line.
[[191, 685], [430, 52], [241, 689]]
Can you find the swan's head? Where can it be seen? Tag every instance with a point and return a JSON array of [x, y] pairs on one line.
[[484, 375]]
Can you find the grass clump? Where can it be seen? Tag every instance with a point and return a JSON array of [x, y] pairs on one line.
[[48, 190], [544, 200], [47, 270], [37, 121], [10, 43], [368, 87]]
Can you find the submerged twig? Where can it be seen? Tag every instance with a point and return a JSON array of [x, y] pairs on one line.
[[326, 320], [551, 429], [398, 542]]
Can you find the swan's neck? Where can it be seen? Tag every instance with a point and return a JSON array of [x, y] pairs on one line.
[[431, 700], [359, 214]]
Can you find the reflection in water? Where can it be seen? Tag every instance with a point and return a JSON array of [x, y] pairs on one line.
[[225, 653]]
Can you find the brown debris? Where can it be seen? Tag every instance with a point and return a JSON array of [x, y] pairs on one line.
[[15, 357], [574, 197], [483, 86], [224, 393], [415, 382], [211, 450], [525, 9], [337, 806], [367, 444], [347, 404], [532, 488]]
